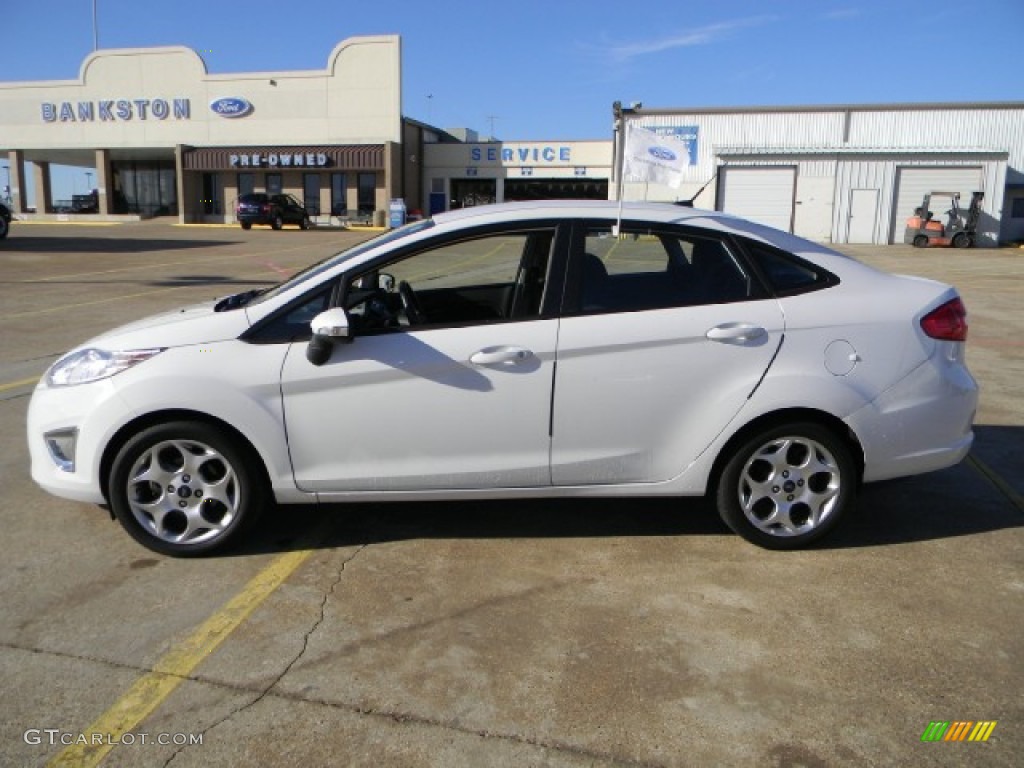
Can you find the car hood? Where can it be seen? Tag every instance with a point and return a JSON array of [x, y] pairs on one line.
[[195, 324]]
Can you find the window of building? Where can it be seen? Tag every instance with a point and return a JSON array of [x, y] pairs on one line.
[[246, 183], [274, 186], [210, 200], [367, 194], [339, 190], [311, 193]]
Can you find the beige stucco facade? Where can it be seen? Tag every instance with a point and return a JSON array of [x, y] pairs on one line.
[[145, 118]]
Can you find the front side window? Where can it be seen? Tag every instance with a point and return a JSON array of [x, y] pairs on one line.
[[486, 279], [643, 270]]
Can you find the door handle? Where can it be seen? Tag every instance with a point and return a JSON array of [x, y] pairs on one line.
[[741, 332], [500, 355]]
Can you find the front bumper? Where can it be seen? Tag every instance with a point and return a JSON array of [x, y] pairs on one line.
[[89, 412]]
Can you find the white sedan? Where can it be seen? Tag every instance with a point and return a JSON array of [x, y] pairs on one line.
[[518, 351]]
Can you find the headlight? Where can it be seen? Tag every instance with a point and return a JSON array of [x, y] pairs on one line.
[[93, 364]]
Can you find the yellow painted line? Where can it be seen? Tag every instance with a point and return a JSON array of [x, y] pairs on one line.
[[71, 223], [66, 307], [174, 667], [19, 384], [149, 266], [123, 296], [996, 479]]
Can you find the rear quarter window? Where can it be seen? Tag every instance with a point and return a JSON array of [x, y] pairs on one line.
[[787, 274]]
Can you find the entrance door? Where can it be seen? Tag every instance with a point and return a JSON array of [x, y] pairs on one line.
[[863, 215]]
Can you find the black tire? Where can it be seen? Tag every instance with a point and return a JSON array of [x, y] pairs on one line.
[[4, 227], [921, 241], [246, 225], [190, 475], [304, 223], [961, 240], [277, 222], [787, 486]]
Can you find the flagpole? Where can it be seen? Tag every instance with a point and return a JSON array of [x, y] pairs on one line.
[[95, 29], [622, 185], [620, 130]]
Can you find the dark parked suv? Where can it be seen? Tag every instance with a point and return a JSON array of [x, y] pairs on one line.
[[275, 210], [5, 221]]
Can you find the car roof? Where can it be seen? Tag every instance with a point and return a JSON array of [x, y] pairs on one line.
[[665, 212]]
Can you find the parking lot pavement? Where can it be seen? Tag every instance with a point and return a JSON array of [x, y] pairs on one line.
[[597, 632]]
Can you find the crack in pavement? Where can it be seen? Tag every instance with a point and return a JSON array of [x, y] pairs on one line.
[[398, 717], [267, 690]]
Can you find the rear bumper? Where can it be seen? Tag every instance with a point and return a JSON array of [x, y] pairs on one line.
[[921, 424]]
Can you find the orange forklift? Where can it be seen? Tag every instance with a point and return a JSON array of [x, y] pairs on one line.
[[958, 231]]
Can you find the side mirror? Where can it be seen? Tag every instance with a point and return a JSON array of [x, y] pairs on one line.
[[329, 328]]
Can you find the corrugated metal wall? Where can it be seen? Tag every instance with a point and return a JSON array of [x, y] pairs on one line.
[[954, 135]]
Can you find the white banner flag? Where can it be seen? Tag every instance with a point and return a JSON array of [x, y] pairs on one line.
[[650, 157]]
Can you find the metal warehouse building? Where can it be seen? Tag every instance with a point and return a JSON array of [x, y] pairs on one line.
[[846, 174]]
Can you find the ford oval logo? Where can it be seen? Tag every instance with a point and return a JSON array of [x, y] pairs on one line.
[[232, 106], [662, 153]]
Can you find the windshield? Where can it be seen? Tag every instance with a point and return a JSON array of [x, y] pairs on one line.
[[318, 268]]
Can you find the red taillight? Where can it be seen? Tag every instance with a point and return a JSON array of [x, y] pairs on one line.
[[948, 322], [266, 207]]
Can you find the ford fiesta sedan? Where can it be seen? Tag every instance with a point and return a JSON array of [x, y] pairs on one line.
[[518, 351]]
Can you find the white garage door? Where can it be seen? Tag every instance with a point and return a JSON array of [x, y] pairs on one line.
[[914, 183], [764, 195]]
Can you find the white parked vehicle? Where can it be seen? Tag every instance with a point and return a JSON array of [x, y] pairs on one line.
[[516, 351]]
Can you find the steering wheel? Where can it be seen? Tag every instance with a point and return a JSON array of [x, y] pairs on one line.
[[411, 304]]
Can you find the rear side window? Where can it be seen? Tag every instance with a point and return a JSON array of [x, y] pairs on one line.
[[787, 274], [649, 269]]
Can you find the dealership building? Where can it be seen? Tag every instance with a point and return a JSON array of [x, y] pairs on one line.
[[166, 137], [163, 136]]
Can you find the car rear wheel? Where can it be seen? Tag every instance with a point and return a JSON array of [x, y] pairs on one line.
[[4, 227], [787, 486], [277, 222], [185, 488], [246, 225]]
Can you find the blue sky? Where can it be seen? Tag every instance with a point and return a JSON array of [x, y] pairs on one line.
[[551, 69]]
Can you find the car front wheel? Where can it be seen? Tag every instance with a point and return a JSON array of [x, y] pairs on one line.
[[787, 486], [185, 488]]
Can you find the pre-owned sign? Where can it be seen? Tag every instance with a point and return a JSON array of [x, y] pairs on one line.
[[279, 159]]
